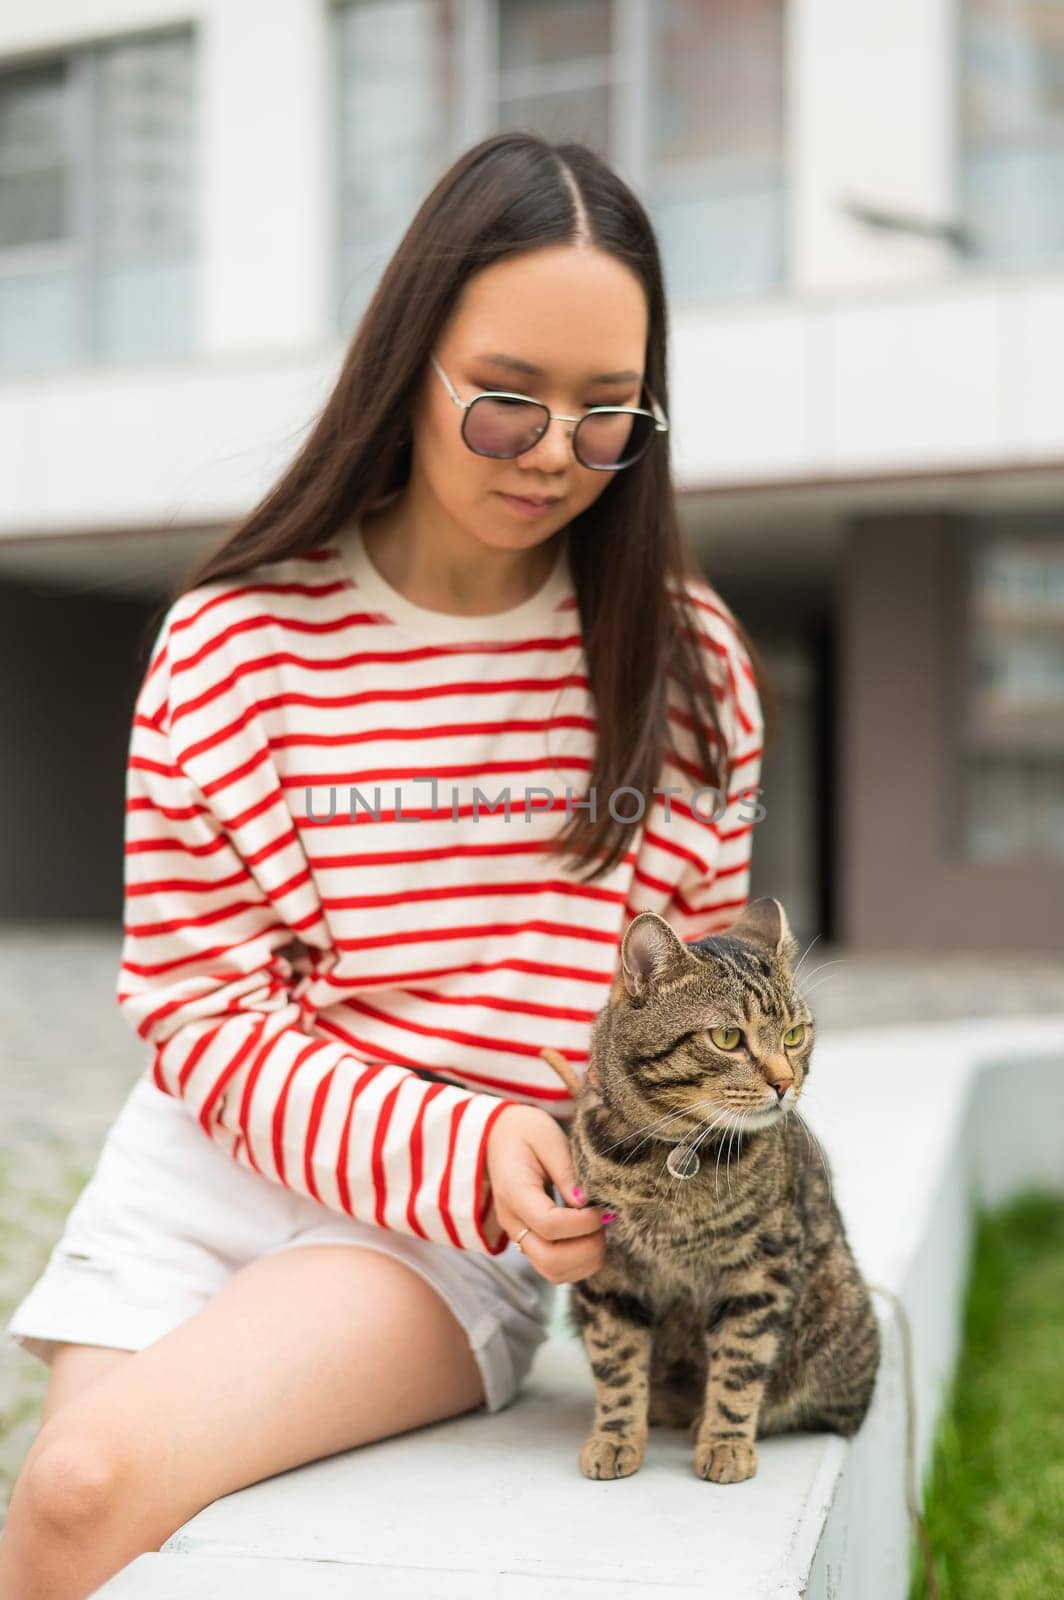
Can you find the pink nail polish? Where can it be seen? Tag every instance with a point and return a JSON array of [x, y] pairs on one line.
[[578, 1194], [609, 1216]]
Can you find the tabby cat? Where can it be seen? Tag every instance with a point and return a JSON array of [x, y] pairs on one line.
[[729, 1299]]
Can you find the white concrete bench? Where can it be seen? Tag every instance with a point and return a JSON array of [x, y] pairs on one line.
[[921, 1123]]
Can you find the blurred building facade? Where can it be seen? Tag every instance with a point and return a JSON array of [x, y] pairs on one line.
[[861, 212]]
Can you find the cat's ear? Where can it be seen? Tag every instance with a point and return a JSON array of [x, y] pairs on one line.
[[649, 946], [765, 921]]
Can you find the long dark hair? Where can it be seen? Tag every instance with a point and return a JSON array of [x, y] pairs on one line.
[[511, 193]]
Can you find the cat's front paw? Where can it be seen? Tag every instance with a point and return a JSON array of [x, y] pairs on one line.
[[725, 1460], [606, 1457]]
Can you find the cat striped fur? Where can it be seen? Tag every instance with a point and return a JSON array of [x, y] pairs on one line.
[[729, 1300]]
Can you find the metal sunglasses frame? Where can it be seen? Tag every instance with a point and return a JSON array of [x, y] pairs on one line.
[[658, 417]]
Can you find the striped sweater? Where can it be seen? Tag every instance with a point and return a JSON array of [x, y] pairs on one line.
[[344, 956]]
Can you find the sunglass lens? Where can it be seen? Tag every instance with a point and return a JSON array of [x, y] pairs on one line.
[[503, 428], [608, 440]]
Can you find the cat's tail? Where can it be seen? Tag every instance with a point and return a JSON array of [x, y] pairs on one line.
[[576, 1085]]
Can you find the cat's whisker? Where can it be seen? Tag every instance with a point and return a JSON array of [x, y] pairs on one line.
[[669, 1116], [815, 1145], [738, 1147], [647, 1130], [716, 1171], [803, 955], [709, 1129], [842, 961], [663, 1175], [701, 1137], [686, 1111], [812, 988], [738, 1133]]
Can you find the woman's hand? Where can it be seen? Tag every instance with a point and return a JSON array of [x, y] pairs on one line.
[[527, 1151]]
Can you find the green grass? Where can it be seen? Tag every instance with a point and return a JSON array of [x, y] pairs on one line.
[[994, 1499]]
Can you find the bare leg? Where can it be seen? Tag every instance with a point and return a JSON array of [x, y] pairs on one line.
[[73, 1368], [302, 1354]]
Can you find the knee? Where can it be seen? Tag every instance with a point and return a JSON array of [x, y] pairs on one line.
[[68, 1482]]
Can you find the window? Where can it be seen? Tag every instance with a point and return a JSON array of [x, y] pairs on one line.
[[398, 99], [1014, 737], [683, 97], [557, 70], [97, 204], [714, 163], [1012, 128]]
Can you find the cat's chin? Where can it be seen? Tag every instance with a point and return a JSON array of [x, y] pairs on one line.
[[750, 1121], [738, 1122]]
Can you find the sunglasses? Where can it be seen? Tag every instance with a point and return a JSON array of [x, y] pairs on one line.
[[502, 425]]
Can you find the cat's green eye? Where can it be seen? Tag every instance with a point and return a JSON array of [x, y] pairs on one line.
[[794, 1036], [725, 1038]]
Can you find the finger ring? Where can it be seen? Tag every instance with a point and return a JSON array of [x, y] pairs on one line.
[[521, 1235]]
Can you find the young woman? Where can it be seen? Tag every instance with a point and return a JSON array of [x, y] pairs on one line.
[[411, 749]]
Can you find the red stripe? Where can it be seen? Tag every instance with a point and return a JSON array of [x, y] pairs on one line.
[[451, 688], [690, 910], [736, 833], [191, 886], [146, 846], [728, 658], [142, 802], [190, 1063], [467, 891], [249, 1089], [730, 905], [484, 930], [539, 969], [151, 930], [494, 1002], [720, 694], [157, 969], [455, 852], [476, 1041], [417, 1163], [277, 1127], [218, 1087], [471, 769], [659, 841], [658, 885], [431, 730], [715, 607], [317, 1111], [444, 1195], [157, 1075], [157, 662], [463, 1077], [162, 769], [179, 625], [478, 1176], [277, 622], [380, 1179], [343, 1158]]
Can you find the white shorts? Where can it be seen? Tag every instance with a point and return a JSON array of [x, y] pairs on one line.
[[168, 1217]]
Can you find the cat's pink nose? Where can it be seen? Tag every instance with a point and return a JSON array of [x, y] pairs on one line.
[[781, 1088]]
